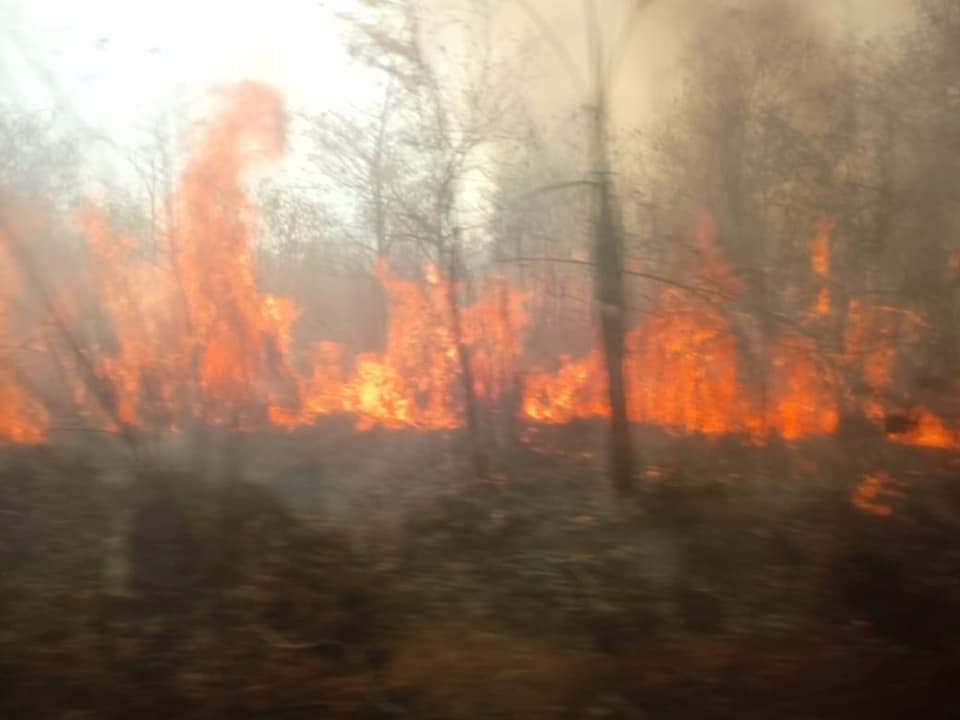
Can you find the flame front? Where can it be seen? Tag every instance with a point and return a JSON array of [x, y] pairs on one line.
[[687, 372], [187, 335]]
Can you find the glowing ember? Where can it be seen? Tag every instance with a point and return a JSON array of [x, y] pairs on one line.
[[873, 493], [820, 261], [926, 430]]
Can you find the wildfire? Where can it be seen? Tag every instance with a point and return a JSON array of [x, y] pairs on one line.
[[22, 418], [194, 335], [927, 430], [187, 335], [687, 371], [820, 261]]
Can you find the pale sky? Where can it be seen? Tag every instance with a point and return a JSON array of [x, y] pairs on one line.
[[117, 60], [116, 65]]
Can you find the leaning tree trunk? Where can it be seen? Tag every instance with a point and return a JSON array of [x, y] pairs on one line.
[[608, 256]]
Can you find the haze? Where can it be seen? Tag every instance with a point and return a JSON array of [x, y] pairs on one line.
[[455, 359]]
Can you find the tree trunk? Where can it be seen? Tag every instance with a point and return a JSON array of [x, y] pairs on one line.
[[608, 256], [609, 288], [478, 453]]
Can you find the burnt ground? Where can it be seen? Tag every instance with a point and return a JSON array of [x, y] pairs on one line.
[[334, 574]]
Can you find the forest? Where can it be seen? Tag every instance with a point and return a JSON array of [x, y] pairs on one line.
[[603, 362]]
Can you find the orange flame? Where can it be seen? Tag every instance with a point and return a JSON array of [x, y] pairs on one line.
[[820, 261], [22, 418], [194, 334], [872, 492], [686, 370], [412, 383], [189, 335], [927, 431]]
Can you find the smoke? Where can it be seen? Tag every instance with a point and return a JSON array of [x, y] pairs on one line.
[[651, 72]]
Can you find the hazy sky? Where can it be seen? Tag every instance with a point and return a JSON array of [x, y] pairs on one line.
[[650, 75], [115, 60], [115, 65]]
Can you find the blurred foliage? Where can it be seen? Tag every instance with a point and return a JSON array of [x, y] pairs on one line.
[[754, 590]]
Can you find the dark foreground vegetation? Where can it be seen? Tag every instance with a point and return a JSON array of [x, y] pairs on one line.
[[739, 582]]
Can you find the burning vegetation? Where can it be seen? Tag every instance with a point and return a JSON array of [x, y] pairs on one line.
[[447, 409], [191, 337]]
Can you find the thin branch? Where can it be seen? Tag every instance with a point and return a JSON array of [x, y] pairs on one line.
[[709, 294], [635, 273]]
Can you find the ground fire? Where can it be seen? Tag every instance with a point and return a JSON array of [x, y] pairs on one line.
[[194, 338], [468, 359]]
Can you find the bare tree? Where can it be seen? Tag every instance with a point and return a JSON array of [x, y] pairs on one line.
[[608, 235], [416, 164]]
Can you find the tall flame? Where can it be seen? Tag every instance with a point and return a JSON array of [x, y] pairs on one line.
[[194, 334], [185, 334]]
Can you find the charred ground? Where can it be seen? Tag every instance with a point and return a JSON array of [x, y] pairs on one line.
[[750, 580]]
